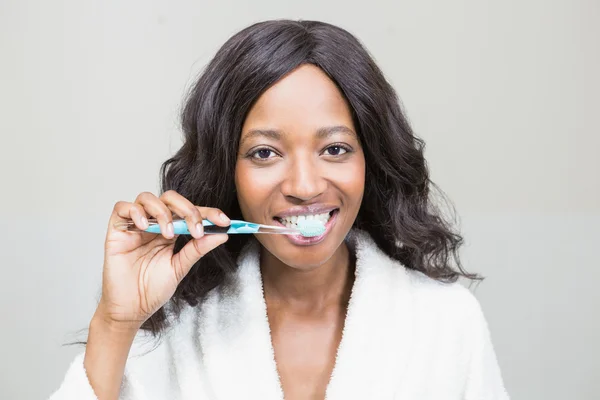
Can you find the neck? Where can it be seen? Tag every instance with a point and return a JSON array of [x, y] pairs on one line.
[[327, 285]]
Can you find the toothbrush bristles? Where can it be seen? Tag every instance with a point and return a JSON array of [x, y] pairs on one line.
[[311, 228]]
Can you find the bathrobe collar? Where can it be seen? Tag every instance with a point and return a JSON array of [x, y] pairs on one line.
[[372, 357]]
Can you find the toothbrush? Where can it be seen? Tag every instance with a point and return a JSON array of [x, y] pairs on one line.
[[307, 228]]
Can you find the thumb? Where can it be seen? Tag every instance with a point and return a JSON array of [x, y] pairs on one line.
[[194, 250]]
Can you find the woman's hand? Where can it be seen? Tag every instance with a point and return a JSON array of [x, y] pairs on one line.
[[140, 271]]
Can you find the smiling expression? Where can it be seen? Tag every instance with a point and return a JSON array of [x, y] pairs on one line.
[[300, 157]]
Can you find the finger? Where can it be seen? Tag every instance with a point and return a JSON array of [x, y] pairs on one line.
[[125, 211], [159, 210], [186, 210], [215, 216], [121, 212], [138, 216], [194, 250]]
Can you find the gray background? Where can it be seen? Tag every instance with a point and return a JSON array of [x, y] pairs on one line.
[[503, 92]]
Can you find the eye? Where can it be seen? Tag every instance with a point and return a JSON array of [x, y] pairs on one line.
[[263, 154], [336, 150]]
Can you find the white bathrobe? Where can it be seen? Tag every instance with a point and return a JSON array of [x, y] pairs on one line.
[[406, 336]]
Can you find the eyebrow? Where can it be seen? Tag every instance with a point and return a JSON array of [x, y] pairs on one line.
[[321, 133]]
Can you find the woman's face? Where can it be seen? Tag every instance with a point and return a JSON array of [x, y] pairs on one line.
[[299, 156]]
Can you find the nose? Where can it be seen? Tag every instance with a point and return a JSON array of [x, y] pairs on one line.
[[304, 180]]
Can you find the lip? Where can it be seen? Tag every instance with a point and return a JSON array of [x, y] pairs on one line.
[[313, 209], [300, 240]]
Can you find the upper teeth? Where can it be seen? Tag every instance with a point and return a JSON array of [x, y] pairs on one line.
[[293, 220]]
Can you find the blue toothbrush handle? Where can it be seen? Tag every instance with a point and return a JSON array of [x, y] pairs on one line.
[[180, 227]]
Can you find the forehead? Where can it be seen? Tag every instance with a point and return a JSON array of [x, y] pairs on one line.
[[304, 99]]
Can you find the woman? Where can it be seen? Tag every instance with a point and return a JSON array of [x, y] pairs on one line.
[[289, 119]]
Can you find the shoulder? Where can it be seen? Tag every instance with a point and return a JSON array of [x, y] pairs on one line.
[[426, 294], [435, 294], [447, 313]]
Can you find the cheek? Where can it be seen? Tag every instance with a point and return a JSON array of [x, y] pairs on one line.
[[253, 186], [350, 178]]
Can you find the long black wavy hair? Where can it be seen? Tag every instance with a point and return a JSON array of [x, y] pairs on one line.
[[397, 208]]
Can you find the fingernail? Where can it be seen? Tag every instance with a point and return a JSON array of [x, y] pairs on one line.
[[200, 229], [144, 222], [224, 218], [170, 229]]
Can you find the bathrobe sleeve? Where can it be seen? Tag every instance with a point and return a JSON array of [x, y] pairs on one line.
[[484, 379], [76, 385]]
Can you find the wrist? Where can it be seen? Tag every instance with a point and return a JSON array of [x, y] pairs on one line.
[[101, 321]]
